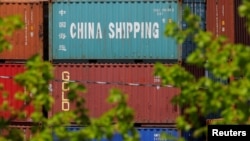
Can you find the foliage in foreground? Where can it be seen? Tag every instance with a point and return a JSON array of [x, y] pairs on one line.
[[201, 97], [36, 79]]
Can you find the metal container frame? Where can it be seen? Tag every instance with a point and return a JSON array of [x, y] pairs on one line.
[[151, 102]]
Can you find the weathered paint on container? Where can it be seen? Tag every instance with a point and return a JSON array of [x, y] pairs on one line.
[[220, 19], [29, 40], [197, 7], [150, 102], [112, 29], [146, 133], [7, 73]]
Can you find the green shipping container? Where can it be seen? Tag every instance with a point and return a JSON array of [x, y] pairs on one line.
[[108, 30]]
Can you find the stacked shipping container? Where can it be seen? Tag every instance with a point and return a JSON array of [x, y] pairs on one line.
[[29, 40], [106, 31], [26, 42], [115, 34], [223, 19], [198, 8], [146, 134], [151, 102], [220, 23]]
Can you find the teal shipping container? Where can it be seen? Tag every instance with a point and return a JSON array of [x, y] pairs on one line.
[[112, 29]]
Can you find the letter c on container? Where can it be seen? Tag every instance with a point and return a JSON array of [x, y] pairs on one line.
[[72, 30]]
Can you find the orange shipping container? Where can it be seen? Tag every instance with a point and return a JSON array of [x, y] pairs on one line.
[[29, 40], [220, 18], [223, 19]]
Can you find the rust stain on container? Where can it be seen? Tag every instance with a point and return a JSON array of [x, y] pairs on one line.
[[151, 103], [7, 72], [29, 40]]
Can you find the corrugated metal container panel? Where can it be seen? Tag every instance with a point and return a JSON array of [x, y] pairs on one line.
[[151, 103], [7, 72], [29, 40], [112, 29], [223, 19], [146, 134], [215, 79], [241, 33], [220, 19], [198, 72], [197, 7]]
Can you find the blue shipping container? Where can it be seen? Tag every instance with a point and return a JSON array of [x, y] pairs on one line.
[[197, 7], [146, 134], [121, 29]]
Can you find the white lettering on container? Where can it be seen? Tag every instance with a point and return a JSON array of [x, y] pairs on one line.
[[126, 30], [85, 30]]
